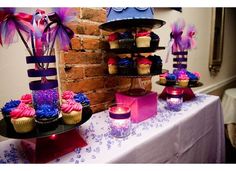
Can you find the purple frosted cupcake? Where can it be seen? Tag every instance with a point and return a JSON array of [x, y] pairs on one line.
[[7, 108]]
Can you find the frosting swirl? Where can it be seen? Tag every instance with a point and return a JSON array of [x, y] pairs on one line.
[[66, 95], [143, 60], [191, 76], [125, 62], [142, 33], [26, 98], [71, 106], [163, 75], [22, 110], [82, 98], [9, 106], [171, 77], [46, 111], [197, 74], [126, 35], [183, 77], [113, 37], [112, 61]]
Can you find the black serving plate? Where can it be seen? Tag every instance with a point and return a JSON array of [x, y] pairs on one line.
[[138, 76], [135, 50], [36, 133], [131, 23], [199, 84]]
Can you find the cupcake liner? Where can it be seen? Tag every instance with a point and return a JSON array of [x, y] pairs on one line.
[[143, 41], [73, 117], [143, 69], [46, 124], [23, 125]]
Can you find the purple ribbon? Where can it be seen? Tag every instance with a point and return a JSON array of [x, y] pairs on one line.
[[180, 65], [40, 59], [38, 85], [180, 59], [119, 116], [180, 53], [42, 73]]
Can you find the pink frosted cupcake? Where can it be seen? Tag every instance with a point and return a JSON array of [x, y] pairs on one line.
[[183, 80], [22, 118], [71, 112], [113, 40], [162, 78], [112, 65], [143, 66], [143, 39], [67, 95], [27, 99]]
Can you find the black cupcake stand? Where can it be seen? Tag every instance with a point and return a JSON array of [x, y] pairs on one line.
[[43, 146], [136, 88]]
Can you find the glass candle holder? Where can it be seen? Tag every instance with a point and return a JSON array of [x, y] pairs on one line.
[[43, 82], [174, 98], [119, 120]]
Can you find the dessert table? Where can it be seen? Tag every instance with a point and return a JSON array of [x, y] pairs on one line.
[[229, 110], [193, 135]]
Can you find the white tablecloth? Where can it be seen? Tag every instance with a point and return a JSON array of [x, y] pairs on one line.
[[229, 111], [193, 135]]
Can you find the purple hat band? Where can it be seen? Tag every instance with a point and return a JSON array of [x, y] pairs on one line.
[[180, 59], [42, 73], [180, 65], [40, 59], [180, 53], [119, 116], [37, 85]]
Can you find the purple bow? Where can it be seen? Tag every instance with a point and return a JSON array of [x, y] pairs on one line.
[[57, 30]]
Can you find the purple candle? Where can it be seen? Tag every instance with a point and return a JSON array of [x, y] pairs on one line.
[[120, 123]]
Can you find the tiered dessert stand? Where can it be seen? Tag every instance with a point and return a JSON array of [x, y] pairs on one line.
[[136, 88], [180, 62]]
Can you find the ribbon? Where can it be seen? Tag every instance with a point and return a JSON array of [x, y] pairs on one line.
[[58, 30], [12, 23]]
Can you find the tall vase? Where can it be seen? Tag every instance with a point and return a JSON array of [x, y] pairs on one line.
[[44, 87]]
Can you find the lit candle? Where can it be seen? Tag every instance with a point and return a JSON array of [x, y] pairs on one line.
[[120, 123], [174, 98]]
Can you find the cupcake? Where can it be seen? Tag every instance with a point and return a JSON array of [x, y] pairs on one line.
[[22, 118], [71, 112], [143, 39], [126, 40], [113, 40], [154, 40], [82, 99], [67, 95], [156, 67], [193, 79], [112, 65], [7, 108], [125, 66], [171, 79], [46, 117], [162, 78], [27, 99], [183, 80], [143, 66]]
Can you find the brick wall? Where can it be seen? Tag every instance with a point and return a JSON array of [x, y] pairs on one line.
[[84, 68]]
